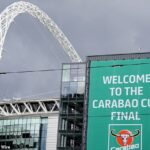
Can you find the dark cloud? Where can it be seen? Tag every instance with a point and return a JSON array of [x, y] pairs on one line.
[[93, 27]]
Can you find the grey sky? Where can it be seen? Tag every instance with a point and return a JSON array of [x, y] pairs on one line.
[[92, 26]]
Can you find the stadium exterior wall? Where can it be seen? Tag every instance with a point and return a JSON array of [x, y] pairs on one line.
[[29, 130], [52, 132]]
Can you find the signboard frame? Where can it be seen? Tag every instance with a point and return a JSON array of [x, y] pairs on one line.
[[145, 55]]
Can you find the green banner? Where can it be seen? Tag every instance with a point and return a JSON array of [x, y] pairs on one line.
[[119, 105]]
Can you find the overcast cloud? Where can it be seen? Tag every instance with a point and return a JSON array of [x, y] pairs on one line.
[[94, 27]]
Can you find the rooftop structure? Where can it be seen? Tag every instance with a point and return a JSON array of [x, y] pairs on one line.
[[29, 124], [28, 107]]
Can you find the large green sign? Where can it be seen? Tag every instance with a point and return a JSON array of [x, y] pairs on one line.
[[119, 105]]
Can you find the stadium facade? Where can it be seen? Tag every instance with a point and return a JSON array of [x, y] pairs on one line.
[[101, 101], [29, 124]]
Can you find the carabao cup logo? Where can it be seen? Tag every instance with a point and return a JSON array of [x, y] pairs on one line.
[[125, 137]]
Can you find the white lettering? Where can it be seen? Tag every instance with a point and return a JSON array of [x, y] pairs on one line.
[[128, 147], [125, 116], [126, 79], [120, 103]]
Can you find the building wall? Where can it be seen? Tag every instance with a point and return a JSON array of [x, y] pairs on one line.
[[23, 132], [52, 132], [29, 132], [71, 107]]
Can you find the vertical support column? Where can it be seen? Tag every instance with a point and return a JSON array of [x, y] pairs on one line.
[[52, 130]]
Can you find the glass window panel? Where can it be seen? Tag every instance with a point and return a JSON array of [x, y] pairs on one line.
[[73, 87], [1, 129], [73, 75], [36, 139], [24, 120], [5, 122], [12, 122], [66, 73], [37, 127], [44, 120], [8, 122], [23, 127], [81, 78], [36, 133], [81, 87], [16, 121], [1, 122], [19, 128], [66, 66], [12, 128], [81, 75], [31, 142], [20, 120], [22, 135], [8, 129], [65, 88], [37, 120], [32, 128], [28, 121], [83, 66], [28, 126], [74, 66], [64, 108]]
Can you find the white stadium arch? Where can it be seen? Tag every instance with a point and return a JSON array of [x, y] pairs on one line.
[[13, 10]]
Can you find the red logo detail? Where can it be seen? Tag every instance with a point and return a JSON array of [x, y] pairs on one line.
[[125, 137]]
